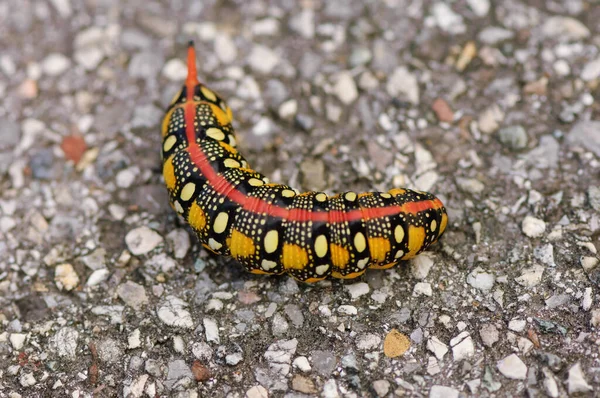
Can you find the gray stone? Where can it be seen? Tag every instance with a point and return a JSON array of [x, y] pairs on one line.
[[576, 380], [489, 334], [173, 312], [295, 314], [324, 362], [178, 370], [586, 134], [513, 137], [109, 351], [132, 294]]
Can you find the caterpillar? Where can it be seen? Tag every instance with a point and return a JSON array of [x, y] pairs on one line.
[[272, 228]]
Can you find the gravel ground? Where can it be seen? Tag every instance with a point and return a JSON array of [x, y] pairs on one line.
[[490, 105]]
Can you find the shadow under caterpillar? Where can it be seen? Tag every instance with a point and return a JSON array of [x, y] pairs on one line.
[[272, 228]]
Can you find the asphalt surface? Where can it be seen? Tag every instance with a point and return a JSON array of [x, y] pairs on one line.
[[492, 106]]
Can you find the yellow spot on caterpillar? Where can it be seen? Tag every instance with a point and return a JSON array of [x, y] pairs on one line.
[[339, 256], [231, 163], [208, 93], [220, 223], [215, 134], [351, 275], [166, 121], [255, 182], [321, 246], [350, 196], [399, 233], [443, 223], [271, 241], [359, 242], [196, 217], [379, 248], [188, 191], [268, 264], [416, 237], [241, 245], [313, 280], [229, 113], [399, 254], [228, 147], [221, 116], [321, 197], [386, 195], [207, 247], [397, 191], [288, 193], [169, 142], [293, 256], [177, 95], [433, 225], [321, 269], [169, 173], [258, 271], [384, 266]]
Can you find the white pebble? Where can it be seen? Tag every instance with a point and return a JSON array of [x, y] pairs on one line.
[[211, 330], [142, 240], [533, 227], [302, 364], [345, 87], [423, 288], [65, 277], [517, 325], [357, 289], [175, 70], [513, 367], [55, 64]]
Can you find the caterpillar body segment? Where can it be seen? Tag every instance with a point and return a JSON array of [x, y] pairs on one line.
[[272, 228]]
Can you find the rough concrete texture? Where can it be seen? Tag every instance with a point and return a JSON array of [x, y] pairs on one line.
[[491, 105]]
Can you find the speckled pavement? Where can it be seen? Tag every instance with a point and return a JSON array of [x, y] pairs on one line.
[[492, 106]]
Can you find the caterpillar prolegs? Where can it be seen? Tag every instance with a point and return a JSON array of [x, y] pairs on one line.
[[273, 228]]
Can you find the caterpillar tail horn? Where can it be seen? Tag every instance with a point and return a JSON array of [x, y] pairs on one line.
[[192, 77]]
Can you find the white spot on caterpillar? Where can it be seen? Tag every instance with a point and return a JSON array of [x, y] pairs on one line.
[[363, 263], [232, 141], [220, 223], [321, 197], [187, 191], [386, 195], [178, 207], [271, 241], [321, 246], [399, 254], [268, 264], [321, 269], [433, 225], [360, 242], [169, 142], [350, 196], [215, 133], [213, 244]]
